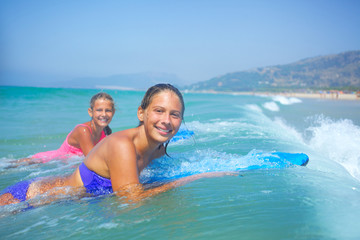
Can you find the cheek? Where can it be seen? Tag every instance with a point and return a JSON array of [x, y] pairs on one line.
[[150, 116], [177, 122]]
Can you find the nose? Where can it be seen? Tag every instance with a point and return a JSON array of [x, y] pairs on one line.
[[166, 118]]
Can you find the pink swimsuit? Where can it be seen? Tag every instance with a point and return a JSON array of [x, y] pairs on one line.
[[65, 151]]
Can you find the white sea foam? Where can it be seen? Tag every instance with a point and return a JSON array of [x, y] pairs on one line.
[[285, 100], [272, 106], [108, 225], [5, 163], [339, 141], [253, 107]]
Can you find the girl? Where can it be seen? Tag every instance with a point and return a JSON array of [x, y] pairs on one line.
[[84, 136], [114, 165]]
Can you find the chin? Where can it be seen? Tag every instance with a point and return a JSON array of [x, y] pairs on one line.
[[103, 124], [164, 139]]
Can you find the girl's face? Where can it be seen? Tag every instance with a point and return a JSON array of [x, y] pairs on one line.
[[102, 112], [162, 118]]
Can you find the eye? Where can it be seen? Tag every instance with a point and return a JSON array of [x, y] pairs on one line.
[[158, 110], [176, 115]]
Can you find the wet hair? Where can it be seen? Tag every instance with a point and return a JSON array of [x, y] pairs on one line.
[[103, 95], [156, 89]]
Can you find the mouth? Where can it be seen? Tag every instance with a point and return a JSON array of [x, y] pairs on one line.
[[104, 120], [164, 131]]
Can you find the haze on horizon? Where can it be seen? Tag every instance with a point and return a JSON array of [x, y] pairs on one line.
[[195, 40]]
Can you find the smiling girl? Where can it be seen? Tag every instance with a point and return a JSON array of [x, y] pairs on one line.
[[114, 165], [84, 136]]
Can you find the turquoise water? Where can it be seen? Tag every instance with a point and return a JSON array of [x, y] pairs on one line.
[[319, 201]]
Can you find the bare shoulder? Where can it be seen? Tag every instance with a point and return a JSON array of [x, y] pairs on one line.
[[82, 128], [121, 137], [121, 143], [80, 134], [81, 131], [112, 152]]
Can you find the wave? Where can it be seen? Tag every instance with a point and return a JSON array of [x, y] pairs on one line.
[[286, 100], [338, 140], [330, 142], [272, 106], [277, 128]]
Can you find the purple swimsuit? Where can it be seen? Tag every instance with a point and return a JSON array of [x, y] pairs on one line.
[[94, 183]]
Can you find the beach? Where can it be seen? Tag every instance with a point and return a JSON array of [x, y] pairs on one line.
[[322, 95], [334, 95]]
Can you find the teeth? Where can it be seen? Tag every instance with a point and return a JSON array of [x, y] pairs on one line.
[[163, 130]]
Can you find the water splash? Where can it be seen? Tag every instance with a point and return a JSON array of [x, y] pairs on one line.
[[209, 160], [338, 140]]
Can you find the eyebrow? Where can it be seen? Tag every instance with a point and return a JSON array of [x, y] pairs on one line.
[[164, 107]]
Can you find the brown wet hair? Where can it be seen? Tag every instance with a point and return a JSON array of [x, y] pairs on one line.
[[158, 88]]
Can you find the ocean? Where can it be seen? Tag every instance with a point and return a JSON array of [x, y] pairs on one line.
[[318, 201]]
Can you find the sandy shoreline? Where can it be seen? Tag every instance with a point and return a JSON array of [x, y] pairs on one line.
[[330, 96], [327, 95]]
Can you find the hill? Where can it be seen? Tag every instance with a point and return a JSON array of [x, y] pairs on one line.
[[339, 71]]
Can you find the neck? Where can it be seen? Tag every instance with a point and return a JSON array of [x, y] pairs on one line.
[[145, 145], [95, 129]]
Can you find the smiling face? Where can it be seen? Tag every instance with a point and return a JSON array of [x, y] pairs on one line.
[[162, 117], [102, 112]]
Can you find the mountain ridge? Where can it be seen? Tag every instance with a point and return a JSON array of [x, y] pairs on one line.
[[337, 71]]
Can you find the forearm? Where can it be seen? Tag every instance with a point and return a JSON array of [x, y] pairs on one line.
[[137, 192]]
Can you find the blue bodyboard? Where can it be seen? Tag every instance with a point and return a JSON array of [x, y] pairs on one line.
[[163, 170], [278, 160], [181, 135]]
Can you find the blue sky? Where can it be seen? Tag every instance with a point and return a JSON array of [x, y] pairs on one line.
[[196, 40]]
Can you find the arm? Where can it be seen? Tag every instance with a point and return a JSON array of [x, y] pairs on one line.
[[121, 159], [136, 192], [125, 178]]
